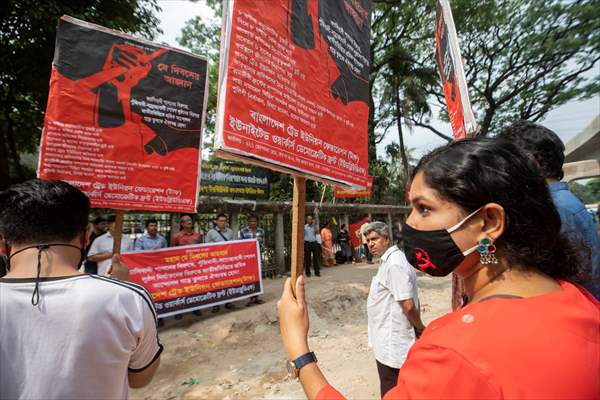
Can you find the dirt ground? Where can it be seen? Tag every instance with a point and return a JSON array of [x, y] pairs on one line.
[[238, 354]]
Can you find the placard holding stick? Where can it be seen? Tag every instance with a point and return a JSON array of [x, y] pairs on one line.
[[119, 217], [298, 211]]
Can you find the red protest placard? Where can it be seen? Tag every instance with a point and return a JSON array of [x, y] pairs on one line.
[[294, 86], [452, 73], [354, 230], [349, 193], [186, 278], [124, 119]]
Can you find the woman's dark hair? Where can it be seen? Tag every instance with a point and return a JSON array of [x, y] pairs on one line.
[[42, 211], [474, 172]]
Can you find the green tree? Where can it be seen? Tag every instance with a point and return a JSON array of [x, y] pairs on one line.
[[523, 58], [594, 188], [27, 34], [202, 36]]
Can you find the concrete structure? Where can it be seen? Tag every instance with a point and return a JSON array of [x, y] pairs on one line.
[[582, 153]]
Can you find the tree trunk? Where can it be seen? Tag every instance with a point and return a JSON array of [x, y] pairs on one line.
[[404, 172], [487, 121], [4, 172], [9, 139]]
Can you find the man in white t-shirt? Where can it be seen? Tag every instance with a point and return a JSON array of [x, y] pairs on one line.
[[394, 320], [63, 334], [102, 248]]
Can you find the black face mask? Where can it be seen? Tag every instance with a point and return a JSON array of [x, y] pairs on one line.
[[35, 297], [434, 252]]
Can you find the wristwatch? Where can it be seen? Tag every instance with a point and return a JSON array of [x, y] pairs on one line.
[[293, 367]]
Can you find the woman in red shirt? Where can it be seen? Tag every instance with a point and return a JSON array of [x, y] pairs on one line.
[[481, 209]]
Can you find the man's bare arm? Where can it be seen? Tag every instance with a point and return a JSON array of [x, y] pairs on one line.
[[413, 314], [99, 257], [142, 378]]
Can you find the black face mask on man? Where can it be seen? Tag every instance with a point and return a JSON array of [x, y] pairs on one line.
[[434, 252]]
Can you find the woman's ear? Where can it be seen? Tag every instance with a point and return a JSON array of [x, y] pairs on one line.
[[494, 221]]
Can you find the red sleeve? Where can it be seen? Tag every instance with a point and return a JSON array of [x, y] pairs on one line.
[[432, 372], [329, 393]]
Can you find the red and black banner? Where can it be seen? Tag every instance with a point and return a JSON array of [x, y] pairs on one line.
[[449, 64], [124, 119], [294, 86]]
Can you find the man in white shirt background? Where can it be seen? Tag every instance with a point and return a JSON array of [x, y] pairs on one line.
[[101, 250], [64, 334], [394, 320]]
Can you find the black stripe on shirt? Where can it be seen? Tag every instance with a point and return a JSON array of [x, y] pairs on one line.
[[160, 350], [134, 287]]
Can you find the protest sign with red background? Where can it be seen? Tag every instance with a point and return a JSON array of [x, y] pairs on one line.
[[294, 86], [124, 119], [451, 70], [186, 278], [354, 230], [352, 193]]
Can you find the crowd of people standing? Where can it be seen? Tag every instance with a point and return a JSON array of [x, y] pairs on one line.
[[493, 211]]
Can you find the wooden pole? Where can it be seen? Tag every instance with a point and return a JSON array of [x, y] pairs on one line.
[[298, 207], [118, 231]]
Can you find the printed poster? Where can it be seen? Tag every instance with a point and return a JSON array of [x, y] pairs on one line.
[[450, 66], [234, 180], [294, 86], [124, 119], [354, 193], [181, 279]]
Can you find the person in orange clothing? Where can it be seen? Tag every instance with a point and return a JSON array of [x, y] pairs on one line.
[[480, 208], [327, 246]]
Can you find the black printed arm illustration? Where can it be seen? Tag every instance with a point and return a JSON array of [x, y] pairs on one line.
[[301, 24], [169, 139], [114, 94], [354, 19]]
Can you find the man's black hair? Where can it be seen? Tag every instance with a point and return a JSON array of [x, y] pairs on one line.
[[541, 143], [151, 221], [221, 215], [99, 219], [42, 211], [252, 216]]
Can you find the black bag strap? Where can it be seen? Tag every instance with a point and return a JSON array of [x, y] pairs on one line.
[[223, 236]]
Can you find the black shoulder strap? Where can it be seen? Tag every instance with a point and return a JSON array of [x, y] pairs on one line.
[[223, 236]]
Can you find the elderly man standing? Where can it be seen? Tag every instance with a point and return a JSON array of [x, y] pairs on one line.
[[187, 236], [394, 320]]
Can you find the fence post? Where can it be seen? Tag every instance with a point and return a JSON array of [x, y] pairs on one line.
[[279, 244], [389, 224], [175, 226], [235, 223]]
